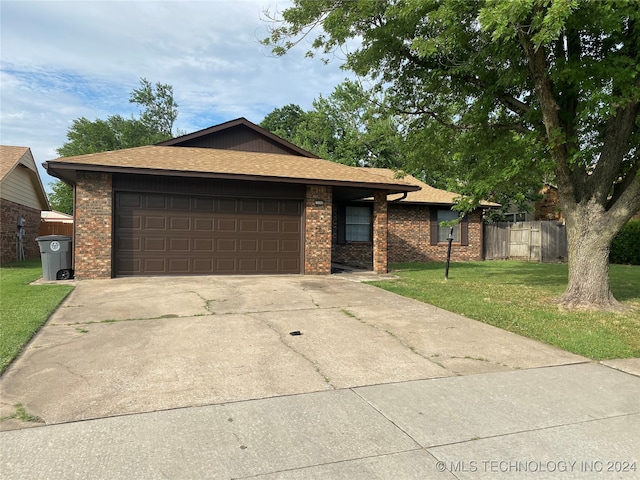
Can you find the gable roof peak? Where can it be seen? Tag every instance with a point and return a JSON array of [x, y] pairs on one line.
[[242, 122]]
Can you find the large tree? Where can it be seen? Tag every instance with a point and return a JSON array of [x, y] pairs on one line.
[[349, 127], [560, 77], [84, 136]]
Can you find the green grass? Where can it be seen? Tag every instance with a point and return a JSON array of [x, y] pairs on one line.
[[520, 297], [24, 308]]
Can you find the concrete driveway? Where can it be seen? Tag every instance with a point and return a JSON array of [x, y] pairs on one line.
[[135, 345]]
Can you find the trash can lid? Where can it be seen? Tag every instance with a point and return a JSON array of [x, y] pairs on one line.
[[51, 238]]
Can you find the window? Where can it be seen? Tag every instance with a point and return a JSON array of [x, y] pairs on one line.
[[516, 217], [443, 232], [358, 224]]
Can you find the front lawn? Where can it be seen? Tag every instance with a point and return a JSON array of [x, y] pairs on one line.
[[519, 297], [24, 308]]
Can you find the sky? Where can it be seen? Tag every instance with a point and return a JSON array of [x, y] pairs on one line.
[[62, 60]]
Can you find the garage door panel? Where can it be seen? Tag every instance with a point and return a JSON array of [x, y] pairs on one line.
[[128, 222], [203, 245], [203, 204], [203, 265], [248, 245], [180, 223], [155, 223], [182, 235], [227, 225], [129, 264], [290, 246], [203, 224], [269, 226], [179, 265], [269, 245], [154, 265], [155, 202], [131, 200], [290, 265], [270, 207], [226, 245], [248, 226], [179, 244], [249, 206], [129, 244], [287, 226], [179, 203], [248, 265], [269, 264], [226, 205], [225, 265], [290, 207], [151, 244]]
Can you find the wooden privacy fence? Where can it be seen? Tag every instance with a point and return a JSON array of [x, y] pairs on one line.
[[544, 241], [56, 228]]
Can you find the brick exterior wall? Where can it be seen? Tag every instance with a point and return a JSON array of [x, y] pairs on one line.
[[93, 225], [318, 231], [9, 213], [359, 255], [410, 237], [380, 231]]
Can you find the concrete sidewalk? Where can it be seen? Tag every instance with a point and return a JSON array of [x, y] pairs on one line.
[[575, 421]]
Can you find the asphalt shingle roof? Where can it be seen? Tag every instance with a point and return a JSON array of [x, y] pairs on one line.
[[268, 166], [427, 193], [9, 157]]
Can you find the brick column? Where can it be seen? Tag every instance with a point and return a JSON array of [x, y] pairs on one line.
[[380, 232], [92, 242], [317, 241]]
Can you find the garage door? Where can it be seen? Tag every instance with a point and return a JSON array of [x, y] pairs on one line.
[[159, 234]]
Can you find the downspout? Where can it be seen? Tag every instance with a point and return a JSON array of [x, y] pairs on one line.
[[404, 195]]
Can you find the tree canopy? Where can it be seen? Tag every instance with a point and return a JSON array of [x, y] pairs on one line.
[[84, 136], [500, 90], [347, 127]]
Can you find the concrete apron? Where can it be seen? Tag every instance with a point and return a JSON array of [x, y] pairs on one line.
[[135, 345]]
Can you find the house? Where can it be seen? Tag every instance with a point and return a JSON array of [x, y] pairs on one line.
[[546, 207], [236, 199], [414, 231], [22, 198], [231, 199]]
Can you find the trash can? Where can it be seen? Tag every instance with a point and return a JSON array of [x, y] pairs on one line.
[[55, 251]]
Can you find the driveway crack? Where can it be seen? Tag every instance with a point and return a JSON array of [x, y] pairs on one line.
[[282, 338]]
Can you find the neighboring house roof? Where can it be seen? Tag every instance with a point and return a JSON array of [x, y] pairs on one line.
[[426, 194], [231, 164], [236, 135], [55, 216], [19, 178]]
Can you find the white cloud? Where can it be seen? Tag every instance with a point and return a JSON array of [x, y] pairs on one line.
[[61, 60]]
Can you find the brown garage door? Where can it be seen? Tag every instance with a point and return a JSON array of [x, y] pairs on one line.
[[159, 234]]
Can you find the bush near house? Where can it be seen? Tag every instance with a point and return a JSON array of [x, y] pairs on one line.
[[625, 248]]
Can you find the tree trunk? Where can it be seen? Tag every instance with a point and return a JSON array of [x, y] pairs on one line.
[[590, 234]]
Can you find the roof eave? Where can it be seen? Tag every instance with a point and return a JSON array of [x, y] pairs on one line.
[[67, 172]]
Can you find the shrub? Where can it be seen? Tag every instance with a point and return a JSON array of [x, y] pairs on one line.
[[626, 246]]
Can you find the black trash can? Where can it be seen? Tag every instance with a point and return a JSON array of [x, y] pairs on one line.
[[55, 251]]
